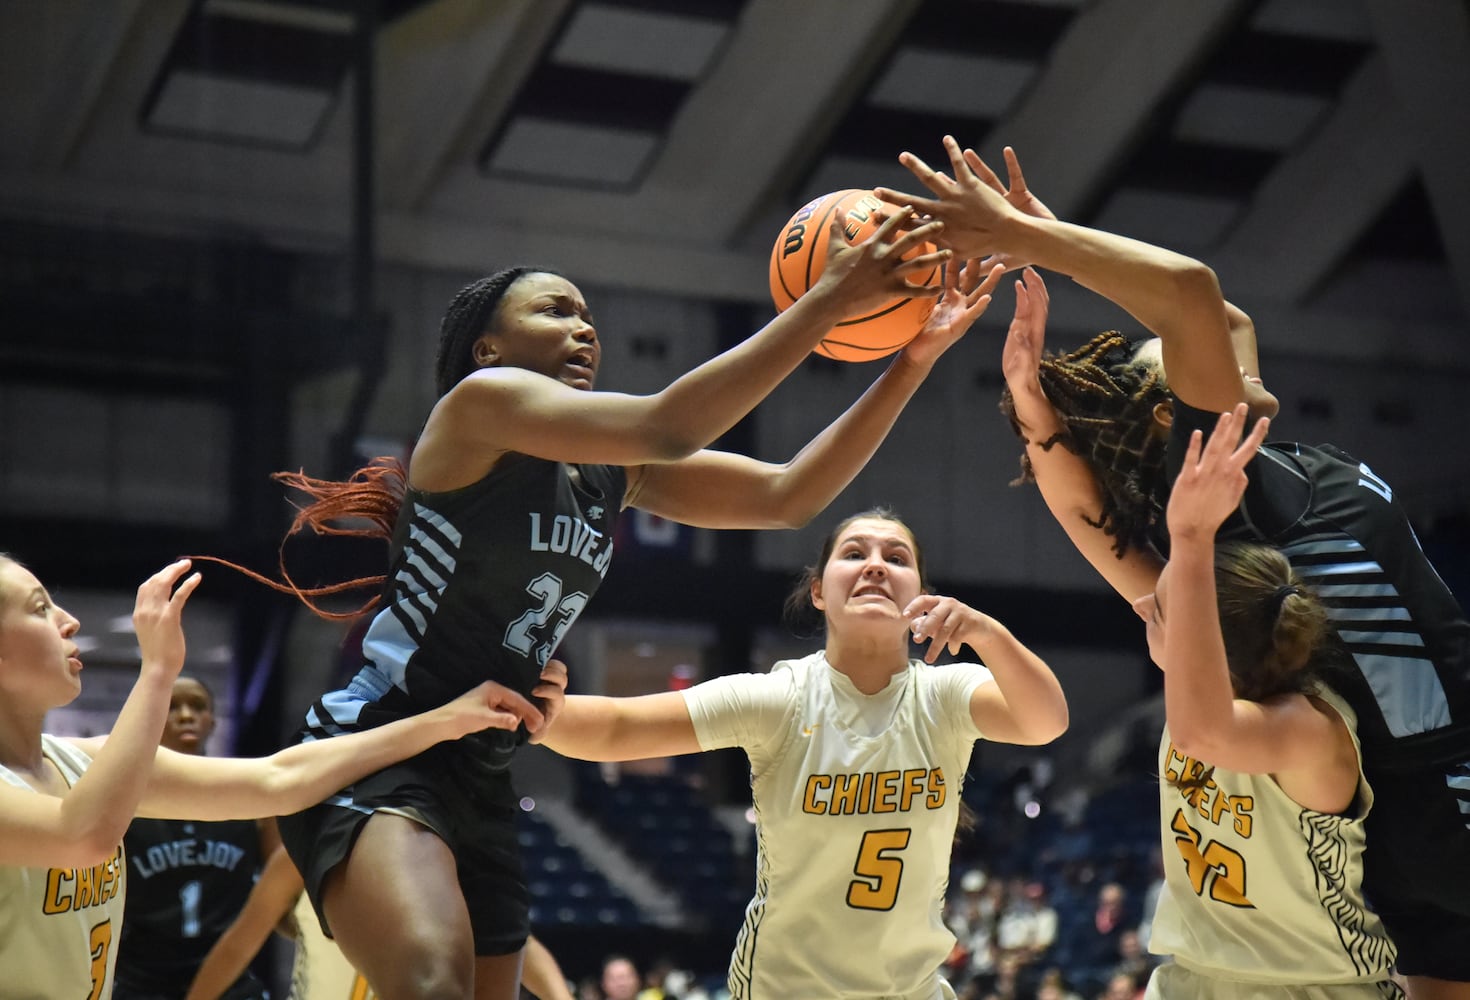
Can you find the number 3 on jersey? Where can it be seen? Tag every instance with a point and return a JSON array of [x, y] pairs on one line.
[[551, 607], [879, 873]]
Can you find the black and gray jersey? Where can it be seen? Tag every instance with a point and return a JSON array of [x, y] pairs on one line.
[[1346, 534], [483, 583]]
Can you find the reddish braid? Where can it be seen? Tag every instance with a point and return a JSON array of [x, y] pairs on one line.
[[373, 493], [1105, 398]]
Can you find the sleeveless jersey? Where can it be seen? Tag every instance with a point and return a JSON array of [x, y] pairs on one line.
[[1258, 888], [320, 972], [187, 882], [856, 800], [1409, 638], [59, 926], [483, 583]]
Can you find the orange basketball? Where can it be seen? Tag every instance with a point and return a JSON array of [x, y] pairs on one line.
[[801, 252]]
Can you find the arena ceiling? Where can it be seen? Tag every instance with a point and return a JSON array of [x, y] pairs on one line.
[[1314, 151]]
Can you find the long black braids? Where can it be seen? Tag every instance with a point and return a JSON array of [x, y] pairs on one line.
[[1105, 398], [466, 319]]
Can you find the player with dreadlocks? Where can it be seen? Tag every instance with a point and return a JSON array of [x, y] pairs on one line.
[[1338, 523], [1107, 398], [502, 530]]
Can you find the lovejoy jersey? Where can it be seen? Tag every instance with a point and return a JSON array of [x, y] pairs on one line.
[[484, 582]]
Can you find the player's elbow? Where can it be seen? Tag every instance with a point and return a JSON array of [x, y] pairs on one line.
[[1195, 284], [92, 845], [1048, 724], [1202, 742]]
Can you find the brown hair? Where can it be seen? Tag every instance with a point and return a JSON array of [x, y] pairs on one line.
[[1277, 635], [797, 607]]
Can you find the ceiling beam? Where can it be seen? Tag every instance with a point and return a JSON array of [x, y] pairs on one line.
[[1321, 198], [1426, 48], [447, 72], [80, 67], [1104, 80], [765, 111]]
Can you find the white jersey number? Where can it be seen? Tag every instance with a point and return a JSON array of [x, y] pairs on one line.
[[879, 873], [547, 589]]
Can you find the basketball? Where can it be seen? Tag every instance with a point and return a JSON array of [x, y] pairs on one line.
[[801, 252]]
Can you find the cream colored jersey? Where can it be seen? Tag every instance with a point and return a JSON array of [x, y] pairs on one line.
[[320, 971], [59, 926], [1258, 889], [856, 800]]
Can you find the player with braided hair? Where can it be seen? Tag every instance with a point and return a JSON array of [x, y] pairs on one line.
[[502, 530], [1106, 398], [1338, 523], [1263, 800]]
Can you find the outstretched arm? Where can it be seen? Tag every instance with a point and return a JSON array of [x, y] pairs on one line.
[[1306, 747], [713, 489], [1025, 705], [272, 897], [86, 825], [500, 409], [1176, 297], [1067, 483], [596, 728], [185, 786]]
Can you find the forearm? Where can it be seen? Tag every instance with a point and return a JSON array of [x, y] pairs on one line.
[[608, 729], [224, 964], [289, 780], [96, 812], [1198, 696], [1072, 494], [701, 405], [829, 462], [1033, 695], [540, 973], [1163, 290], [271, 898]]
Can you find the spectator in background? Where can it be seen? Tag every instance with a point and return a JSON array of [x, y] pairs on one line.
[[1028, 926], [1151, 898], [620, 978], [1133, 957], [1120, 986]]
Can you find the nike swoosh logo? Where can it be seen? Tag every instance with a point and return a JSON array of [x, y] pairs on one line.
[[807, 730]]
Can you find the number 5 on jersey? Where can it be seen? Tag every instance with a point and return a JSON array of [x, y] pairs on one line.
[[879, 872]]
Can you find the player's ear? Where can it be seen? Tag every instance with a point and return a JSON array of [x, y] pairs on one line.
[[1164, 414], [484, 353], [817, 600]]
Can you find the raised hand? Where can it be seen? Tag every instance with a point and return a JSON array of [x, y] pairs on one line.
[[158, 616], [973, 212], [1015, 191], [552, 693], [489, 706], [1213, 479], [944, 623], [967, 294], [872, 271], [1020, 358]]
